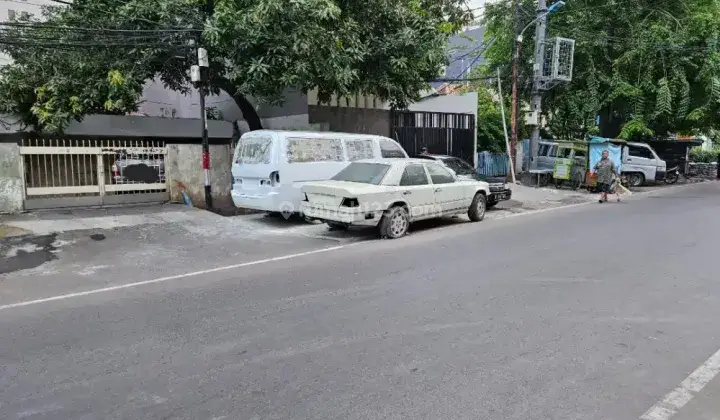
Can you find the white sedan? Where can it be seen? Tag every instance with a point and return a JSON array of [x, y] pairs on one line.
[[391, 194]]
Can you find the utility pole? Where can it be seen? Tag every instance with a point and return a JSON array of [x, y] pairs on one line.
[[203, 63], [196, 75], [517, 45], [536, 102]]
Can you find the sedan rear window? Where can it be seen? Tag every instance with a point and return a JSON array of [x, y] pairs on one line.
[[364, 173]]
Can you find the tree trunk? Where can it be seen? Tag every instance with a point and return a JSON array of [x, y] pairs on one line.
[[249, 114], [610, 125]]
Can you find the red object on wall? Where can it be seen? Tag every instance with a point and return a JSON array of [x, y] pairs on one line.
[[206, 160]]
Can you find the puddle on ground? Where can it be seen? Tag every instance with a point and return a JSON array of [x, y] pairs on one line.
[[25, 252]]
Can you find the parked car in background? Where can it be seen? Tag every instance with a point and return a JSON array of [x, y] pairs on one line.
[[136, 169], [391, 194], [547, 155], [499, 190], [640, 164], [269, 166]]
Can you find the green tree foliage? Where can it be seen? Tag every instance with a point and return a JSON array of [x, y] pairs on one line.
[[93, 56], [490, 133], [646, 67]]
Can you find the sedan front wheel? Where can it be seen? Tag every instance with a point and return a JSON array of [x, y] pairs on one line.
[[476, 212]]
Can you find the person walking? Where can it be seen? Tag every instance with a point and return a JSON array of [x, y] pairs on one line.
[[606, 170]]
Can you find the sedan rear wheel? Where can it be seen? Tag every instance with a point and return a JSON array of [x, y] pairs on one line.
[[337, 226], [395, 223]]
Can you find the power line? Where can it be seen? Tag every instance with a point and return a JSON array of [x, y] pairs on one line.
[[107, 12], [467, 79], [25, 2], [38, 25], [75, 45]]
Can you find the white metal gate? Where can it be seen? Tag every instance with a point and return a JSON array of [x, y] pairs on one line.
[[83, 173]]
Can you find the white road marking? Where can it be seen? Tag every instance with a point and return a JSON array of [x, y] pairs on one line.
[[169, 278], [686, 391]]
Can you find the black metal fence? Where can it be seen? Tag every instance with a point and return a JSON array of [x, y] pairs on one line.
[[442, 133]]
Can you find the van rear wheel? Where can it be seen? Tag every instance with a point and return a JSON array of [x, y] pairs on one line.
[[635, 179]]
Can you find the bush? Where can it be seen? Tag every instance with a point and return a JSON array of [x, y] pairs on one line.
[[699, 155]]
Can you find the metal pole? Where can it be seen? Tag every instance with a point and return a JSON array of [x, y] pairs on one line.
[[203, 62], [502, 113], [205, 151], [514, 109], [536, 103]]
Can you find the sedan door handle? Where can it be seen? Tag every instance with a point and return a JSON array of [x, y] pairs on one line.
[[407, 193], [438, 190]]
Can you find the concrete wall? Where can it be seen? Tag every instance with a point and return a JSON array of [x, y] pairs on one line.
[[351, 120], [161, 102], [458, 104], [11, 179], [183, 170], [705, 170], [138, 126]]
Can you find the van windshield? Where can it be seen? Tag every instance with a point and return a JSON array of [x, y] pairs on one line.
[[364, 173], [254, 150]]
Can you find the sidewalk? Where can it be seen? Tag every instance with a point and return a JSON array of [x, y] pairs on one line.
[[526, 198]]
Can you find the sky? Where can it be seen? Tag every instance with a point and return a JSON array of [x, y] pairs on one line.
[[476, 6]]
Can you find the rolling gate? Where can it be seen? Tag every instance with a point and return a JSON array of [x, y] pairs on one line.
[[442, 133], [61, 173]]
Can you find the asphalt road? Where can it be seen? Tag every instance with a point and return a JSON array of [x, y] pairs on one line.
[[592, 312]]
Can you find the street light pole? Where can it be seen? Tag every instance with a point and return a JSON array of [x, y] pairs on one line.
[[536, 101], [514, 89]]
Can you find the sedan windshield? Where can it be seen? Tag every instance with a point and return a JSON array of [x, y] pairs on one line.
[[364, 173], [459, 166]]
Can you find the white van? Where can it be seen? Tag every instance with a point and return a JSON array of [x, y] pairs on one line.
[[270, 167], [641, 164]]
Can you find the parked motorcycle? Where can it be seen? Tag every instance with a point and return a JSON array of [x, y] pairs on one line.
[[672, 176]]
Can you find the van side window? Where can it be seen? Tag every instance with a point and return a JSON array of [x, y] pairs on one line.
[[389, 149], [359, 149], [302, 150], [640, 152], [544, 150], [253, 150], [564, 152]]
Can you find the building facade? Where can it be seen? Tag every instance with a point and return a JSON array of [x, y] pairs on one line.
[[15, 9]]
